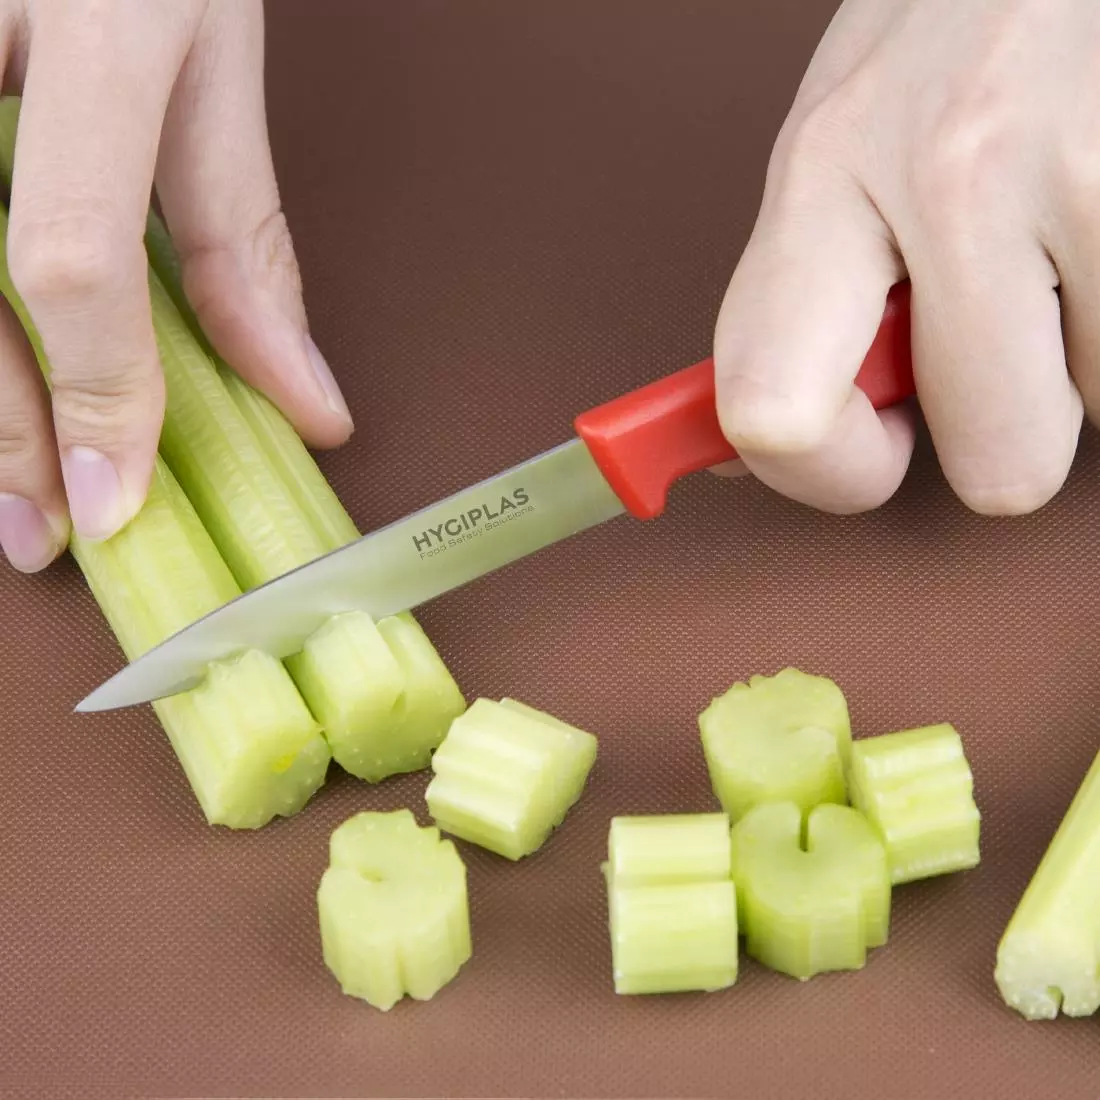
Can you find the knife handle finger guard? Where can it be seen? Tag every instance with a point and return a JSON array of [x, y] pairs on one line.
[[647, 439]]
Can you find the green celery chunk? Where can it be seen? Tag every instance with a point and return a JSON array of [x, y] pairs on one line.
[[412, 702], [916, 788], [506, 775], [669, 849], [673, 939], [248, 745], [777, 739], [393, 909], [1049, 956], [672, 905], [808, 910]]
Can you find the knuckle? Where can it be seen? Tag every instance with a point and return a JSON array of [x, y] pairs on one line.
[[962, 160], [811, 140], [64, 260], [20, 446], [759, 420], [265, 251], [119, 410]]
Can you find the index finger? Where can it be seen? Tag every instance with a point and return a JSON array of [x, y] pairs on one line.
[[97, 85]]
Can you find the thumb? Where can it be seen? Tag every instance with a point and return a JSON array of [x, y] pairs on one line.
[[799, 317]]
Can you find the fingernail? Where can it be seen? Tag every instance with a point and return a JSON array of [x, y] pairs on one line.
[[92, 484], [28, 539], [333, 397]]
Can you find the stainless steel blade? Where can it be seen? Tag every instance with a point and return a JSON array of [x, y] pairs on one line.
[[396, 568]]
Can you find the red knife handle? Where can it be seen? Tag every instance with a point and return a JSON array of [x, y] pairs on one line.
[[646, 440]]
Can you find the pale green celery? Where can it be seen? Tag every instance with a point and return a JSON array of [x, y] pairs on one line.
[[669, 849], [248, 745], [393, 909], [506, 775], [916, 788], [245, 739], [672, 905], [381, 692], [263, 534], [775, 739], [673, 939], [412, 702], [1049, 956], [808, 910], [269, 509], [285, 450]]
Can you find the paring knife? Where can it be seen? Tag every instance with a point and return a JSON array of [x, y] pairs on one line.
[[625, 458]]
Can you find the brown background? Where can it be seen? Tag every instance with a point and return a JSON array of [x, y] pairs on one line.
[[506, 212]]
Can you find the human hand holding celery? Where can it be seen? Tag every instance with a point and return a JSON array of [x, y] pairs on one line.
[[117, 95], [903, 156]]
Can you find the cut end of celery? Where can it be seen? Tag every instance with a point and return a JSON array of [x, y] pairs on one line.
[[247, 742], [777, 739], [506, 775], [381, 691], [806, 910], [672, 905], [916, 788], [1048, 959], [393, 909], [1041, 973]]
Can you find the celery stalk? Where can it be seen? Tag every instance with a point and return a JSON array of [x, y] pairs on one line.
[[393, 909], [777, 738], [285, 450], [250, 749], [915, 787], [1049, 956], [361, 689], [345, 670], [269, 509], [672, 906], [506, 775], [808, 910]]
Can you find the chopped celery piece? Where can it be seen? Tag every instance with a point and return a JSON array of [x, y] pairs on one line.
[[808, 910], [672, 905], [666, 850], [248, 745], [1049, 956], [777, 739], [411, 704], [393, 909], [506, 775], [430, 699], [673, 939], [915, 787]]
